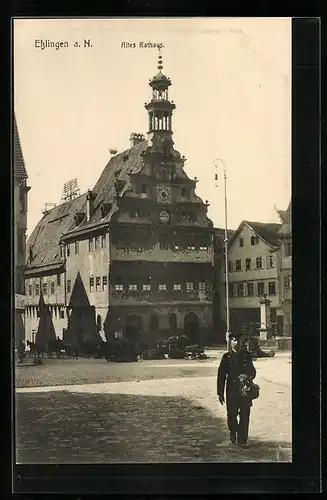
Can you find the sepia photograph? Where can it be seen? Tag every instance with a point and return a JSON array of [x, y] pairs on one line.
[[152, 232]]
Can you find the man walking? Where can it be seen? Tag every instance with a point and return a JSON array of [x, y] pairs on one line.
[[236, 366]]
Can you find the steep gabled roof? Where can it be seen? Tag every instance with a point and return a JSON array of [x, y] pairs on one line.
[[60, 220], [118, 168], [19, 165], [44, 240], [268, 231]]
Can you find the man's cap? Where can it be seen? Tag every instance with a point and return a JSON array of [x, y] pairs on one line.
[[235, 335]]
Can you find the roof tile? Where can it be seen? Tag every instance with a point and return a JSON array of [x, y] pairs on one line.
[[267, 230]]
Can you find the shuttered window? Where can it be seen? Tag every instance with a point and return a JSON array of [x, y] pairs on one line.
[[91, 284], [259, 262]]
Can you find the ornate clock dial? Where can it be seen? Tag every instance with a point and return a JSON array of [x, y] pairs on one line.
[[164, 216], [163, 194]]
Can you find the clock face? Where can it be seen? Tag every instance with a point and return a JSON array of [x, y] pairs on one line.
[[163, 194], [164, 216]]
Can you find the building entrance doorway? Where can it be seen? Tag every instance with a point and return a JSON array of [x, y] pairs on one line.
[[191, 327], [133, 328]]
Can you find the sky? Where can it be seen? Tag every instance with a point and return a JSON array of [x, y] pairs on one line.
[[231, 83]]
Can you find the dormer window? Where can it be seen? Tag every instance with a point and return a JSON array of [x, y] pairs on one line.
[[78, 217], [105, 208]]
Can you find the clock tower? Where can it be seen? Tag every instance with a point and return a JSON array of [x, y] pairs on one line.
[[162, 245]]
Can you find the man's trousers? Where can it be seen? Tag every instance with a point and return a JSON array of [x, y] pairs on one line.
[[237, 407]]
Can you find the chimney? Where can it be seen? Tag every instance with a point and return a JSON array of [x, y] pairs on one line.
[[136, 139], [113, 151], [90, 197]]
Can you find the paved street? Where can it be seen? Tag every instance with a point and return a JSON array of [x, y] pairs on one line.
[[150, 411]]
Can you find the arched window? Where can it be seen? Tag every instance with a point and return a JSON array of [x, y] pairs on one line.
[[172, 321]]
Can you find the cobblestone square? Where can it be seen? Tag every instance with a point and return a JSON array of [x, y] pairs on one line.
[[91, 411]]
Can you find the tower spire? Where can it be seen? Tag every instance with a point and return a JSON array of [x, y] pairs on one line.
[[160, 109]]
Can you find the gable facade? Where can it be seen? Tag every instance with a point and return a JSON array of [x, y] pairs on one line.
[[253, 264]]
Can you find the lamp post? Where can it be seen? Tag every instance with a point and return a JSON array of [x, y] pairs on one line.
[[226, 249]]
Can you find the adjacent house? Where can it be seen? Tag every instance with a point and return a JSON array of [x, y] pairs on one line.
[[253, 271], [133, 256], [285, 280], [20, 190]]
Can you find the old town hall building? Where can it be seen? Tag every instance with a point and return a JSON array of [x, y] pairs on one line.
[[134, 255]]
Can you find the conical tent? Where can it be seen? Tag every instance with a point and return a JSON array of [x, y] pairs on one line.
[[46, 331], [82, 319]]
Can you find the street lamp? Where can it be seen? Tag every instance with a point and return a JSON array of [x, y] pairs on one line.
[[226, 248]]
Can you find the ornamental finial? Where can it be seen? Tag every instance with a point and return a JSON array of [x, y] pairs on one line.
[[160, 63]]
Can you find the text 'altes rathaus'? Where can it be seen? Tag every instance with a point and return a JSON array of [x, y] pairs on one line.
[[134, 255]]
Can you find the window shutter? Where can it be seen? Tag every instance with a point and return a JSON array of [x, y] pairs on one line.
[[264, 262], [255, 288], [253, 263], [245, 289]]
